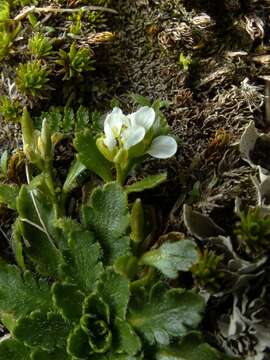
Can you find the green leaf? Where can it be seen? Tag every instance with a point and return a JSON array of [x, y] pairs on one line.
[[141, 100], [82, 117], [127, 266], [128, 340], [89, 155], [68, 120], [37, 216], [55, 119], [4, 11], [148, 183], [114, 290], [45, 330], [20, 294], [67, 226], [108, 217], [77, 344], [76, 169], [11, 349], [95, 323], [17, 243], [170, 258], [84, 266], [137, 222], [4, 162], [191, 347], [8, 195], [165, 314], [114, 356], [68, 300], [52, 355]]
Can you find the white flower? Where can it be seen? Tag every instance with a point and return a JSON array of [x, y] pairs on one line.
[[131, 129], [163, 147], [112, 127], [138, 123], [143, 117]]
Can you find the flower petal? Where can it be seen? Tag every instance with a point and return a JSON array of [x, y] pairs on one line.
[[163, 147], [115, 121], [132, 136], [109, 139], [144, 117]]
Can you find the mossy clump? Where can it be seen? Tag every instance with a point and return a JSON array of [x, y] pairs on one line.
[[32, 79], [253, 231], [48, 53]]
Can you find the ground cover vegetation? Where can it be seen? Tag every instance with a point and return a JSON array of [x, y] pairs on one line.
[[134, 193]]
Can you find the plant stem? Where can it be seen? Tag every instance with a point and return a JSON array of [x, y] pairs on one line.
[[122, 173], [57, 10]]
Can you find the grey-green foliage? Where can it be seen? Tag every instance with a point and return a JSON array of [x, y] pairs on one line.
[[170, 258]]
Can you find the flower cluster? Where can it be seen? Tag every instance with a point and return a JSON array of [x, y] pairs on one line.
[[135, 133]]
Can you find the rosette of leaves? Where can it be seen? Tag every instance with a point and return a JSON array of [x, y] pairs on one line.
[[253, 230], [10, 109], [75, 62], [89, 310], [39, 45], [8, 29], [89, 290], [32, 79], [207, 271]]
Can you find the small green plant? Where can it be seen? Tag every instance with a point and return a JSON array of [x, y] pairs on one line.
[[89, 289], [32, 79], [185, 62], [10, 110], [76, 26], [75, 62], [94, 18], [206, 271], [8, 33], [39, 45], [4, 10], [253, 231]]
